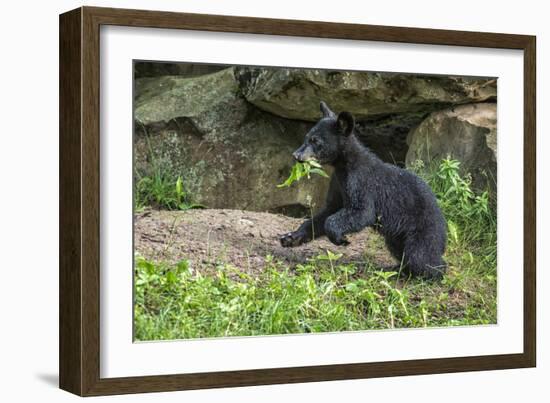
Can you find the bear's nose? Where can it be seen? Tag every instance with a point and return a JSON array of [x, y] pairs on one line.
[[297, 155]]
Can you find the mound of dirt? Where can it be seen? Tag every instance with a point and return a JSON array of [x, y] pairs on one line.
[[240, 238]]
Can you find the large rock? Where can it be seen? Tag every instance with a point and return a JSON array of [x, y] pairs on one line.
[[295, 93], [467, 133], [229, 133], [228, 153], [203, 99]]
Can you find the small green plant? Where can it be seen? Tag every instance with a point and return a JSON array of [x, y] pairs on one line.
[[471, 219], [455, 192], [160, 191], [303, 169], [159, 188]]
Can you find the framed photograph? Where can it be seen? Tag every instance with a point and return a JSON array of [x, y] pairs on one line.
[[249, 201]]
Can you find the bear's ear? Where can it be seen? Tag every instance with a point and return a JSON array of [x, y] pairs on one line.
[[345, 123], [325, 110]]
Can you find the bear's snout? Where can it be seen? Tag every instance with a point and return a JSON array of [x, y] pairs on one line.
[[297, 155], [303, 154]]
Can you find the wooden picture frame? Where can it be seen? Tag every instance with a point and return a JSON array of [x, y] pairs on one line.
[[79, 348]]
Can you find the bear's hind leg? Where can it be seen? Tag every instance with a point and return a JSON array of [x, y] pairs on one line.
[[422, 259], [395, 246]]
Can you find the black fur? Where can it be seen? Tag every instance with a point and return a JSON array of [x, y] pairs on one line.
[[366, 192]]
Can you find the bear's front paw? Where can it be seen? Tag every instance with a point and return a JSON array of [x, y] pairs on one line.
[[292, 239], [339, 240]]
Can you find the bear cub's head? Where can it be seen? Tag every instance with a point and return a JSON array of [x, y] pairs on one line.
[[324, 141]]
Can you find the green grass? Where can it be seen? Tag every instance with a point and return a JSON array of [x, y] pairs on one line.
[[159, 188], [163, 192], [176, 302]]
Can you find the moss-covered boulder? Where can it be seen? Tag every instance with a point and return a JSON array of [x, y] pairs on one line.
[[228, 153], [295, 93]]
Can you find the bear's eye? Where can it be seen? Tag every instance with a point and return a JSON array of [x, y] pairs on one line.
[[314, 141]]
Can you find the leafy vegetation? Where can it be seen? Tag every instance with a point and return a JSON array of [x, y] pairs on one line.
[[160, 191], [159, 187], [303, 169], [471, 220], [176, 301]]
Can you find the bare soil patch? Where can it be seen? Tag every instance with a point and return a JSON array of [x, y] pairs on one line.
[[243, 239]]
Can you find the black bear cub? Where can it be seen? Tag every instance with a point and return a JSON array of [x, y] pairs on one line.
[[367, 192]]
